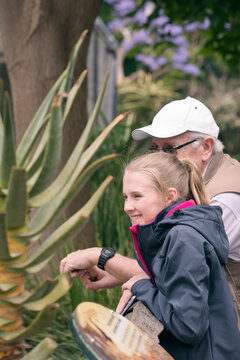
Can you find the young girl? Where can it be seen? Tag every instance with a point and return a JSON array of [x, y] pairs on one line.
[[181, 248], [181, 244]]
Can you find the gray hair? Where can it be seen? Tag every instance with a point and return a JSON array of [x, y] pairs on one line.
[[218, 145]]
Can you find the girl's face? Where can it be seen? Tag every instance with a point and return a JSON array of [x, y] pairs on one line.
[[142, 201]]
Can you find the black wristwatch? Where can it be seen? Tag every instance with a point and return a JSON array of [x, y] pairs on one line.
[[106, 253]]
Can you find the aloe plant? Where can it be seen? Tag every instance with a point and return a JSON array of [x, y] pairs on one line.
[[32, 197]]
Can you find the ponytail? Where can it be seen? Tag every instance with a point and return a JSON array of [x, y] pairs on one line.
[[197, 189]]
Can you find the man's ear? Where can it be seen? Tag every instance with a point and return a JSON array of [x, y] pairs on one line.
[[171, 195], [207, 148]]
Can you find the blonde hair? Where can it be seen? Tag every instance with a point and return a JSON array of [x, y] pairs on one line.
[[166, 170]]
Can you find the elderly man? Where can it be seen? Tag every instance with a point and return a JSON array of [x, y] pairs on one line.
[[187, 128]]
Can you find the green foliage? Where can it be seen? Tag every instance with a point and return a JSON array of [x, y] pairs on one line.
[[223, 34], [33, 197]]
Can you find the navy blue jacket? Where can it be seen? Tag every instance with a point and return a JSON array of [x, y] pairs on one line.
[[184, 252]]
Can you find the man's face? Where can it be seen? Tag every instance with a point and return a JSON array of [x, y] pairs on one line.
[[189, 151]]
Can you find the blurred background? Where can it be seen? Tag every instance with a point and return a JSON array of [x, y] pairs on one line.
[[156, 51]]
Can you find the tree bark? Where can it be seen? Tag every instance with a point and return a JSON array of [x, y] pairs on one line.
[[37, 38]]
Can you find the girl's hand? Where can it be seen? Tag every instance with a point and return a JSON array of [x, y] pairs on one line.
[[127, 293]]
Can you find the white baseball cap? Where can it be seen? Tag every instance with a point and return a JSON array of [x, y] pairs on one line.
[[178, 117]]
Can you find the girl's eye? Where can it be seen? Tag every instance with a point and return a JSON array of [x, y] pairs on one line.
[[137, 196]]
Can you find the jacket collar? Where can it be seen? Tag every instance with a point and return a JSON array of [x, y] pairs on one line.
[[170, 209]]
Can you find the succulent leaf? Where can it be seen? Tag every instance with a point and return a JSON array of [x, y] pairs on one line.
[[42, 350], [42, 319], [9, 142], [53, 149], [50, 211], [64, 176], [62, 286], [35, 127], [4, 253], [16, 203], [67, 230]]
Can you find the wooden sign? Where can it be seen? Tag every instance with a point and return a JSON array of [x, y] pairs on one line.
[[105, 335]]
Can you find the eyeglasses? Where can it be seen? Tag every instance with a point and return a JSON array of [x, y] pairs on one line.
[[170, 149]]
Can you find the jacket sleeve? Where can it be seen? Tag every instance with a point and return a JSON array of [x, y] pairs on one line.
[[180, 297]]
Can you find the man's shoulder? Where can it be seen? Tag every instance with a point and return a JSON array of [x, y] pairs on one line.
[[223, 175]]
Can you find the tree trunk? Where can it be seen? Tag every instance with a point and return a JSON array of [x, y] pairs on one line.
[[37, 38]]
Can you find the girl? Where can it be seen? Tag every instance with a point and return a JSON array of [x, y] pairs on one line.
[[181, 248], [181, 244]]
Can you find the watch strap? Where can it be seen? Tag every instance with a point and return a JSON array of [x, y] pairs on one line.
[[106, 254]]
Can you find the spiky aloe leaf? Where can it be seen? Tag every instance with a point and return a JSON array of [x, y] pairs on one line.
[[66, 231], [73, 58], [36, 124], [1, 136], [49, 212], [35, 294], [36, 160], [82, 180], [72, 94], [53, 149], [4, 253], [1, 92], [9, 142], [16, 203], [86, 175], [64, 176], [62, 286], [1, 120], [42, 320], [6, 288], [42, 350], [34, 128]]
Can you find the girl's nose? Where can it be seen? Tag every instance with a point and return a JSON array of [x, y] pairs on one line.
[[128, 206]]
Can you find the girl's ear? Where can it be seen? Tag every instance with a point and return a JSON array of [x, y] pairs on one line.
[[171, 195]]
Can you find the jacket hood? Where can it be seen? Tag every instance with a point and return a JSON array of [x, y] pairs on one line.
[[205, 219]]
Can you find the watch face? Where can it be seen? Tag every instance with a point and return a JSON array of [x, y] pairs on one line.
[[108, 251]]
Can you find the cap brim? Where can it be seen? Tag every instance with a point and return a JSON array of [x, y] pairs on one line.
[[151, 131]]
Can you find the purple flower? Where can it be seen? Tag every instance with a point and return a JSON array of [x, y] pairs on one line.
[[159, 21], [205, 25], [124, 7], [149, 6], [161, 60], [152, 62], [140, 17], [174, 30], [115, 24], [228, 26], [181, 55], [187, 68], [139, 37], [178, 40], [192, 26], [142, 36]]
